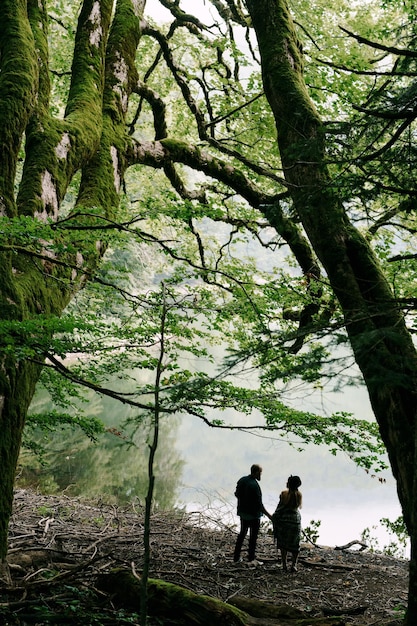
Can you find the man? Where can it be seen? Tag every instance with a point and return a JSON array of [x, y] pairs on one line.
[[250, 510]]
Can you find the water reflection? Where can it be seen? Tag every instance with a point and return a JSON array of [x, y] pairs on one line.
[[114, 469], [197, 468]]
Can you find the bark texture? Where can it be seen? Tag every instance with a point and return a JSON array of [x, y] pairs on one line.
[[166, 600], [90, 138], [383, 347]]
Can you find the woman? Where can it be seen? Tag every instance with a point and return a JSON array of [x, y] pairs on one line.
[[287, 522]]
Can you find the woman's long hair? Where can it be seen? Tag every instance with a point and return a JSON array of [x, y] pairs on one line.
[[292, 498]]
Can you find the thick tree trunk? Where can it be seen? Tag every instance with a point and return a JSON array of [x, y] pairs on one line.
[[166, 600], [17, 386], [90, 138], [382, 346]]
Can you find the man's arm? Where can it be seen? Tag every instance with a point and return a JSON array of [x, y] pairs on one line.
[[266, 512]]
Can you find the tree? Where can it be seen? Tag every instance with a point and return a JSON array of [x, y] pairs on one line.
[[55, 149], [375, 324], [198, 84]]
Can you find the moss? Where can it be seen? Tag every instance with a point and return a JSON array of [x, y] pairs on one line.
[[18, 82], [17, 383], [166, 599], [282, 63], [39, 24], [87, 72], [10, 298], [19, 67], [123, 42], [178, 146], [30, 286]]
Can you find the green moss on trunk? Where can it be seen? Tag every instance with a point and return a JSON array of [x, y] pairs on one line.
[[382, 345], [17, 385], [89, 138], [18, 88]]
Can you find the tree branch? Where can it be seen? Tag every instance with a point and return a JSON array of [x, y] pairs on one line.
[[378, 46]]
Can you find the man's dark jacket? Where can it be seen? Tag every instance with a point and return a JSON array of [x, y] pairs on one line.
[[249, 498]]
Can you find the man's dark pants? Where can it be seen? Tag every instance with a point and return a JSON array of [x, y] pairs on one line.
[[253, 526]]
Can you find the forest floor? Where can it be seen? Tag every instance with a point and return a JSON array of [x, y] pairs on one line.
[[58, 546]]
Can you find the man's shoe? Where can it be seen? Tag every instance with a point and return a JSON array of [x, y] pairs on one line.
[[236, 562], [255, 562]]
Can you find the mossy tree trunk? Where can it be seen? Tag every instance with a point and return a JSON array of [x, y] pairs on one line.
[[166, 600], [90, 138], [383, 347]]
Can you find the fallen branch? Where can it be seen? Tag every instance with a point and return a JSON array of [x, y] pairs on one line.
[[356, 542], [327, 565], [356, 610]]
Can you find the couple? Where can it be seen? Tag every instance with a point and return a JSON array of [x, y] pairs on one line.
[[286, 520]]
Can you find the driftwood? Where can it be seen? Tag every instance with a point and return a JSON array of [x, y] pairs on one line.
[[166, 600]]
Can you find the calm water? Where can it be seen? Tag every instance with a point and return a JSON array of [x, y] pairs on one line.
[[198, 467], [343, 497]]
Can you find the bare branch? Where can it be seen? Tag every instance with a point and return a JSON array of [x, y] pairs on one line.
[[379, 46]]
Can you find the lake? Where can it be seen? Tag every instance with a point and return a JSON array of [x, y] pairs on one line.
[[342, 496], [198, 467]]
